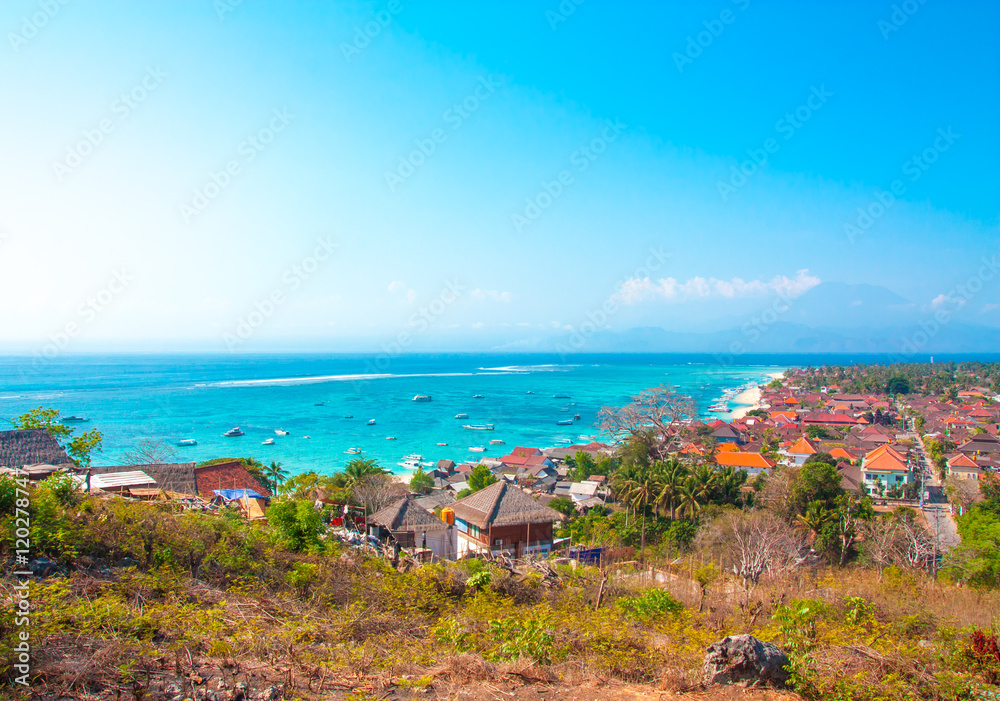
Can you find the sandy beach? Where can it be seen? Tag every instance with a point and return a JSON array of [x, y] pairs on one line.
[[751, 398]]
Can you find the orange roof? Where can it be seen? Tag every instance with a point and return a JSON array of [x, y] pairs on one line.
[[691, 449], [791, 400], [803, 447], [885, 449], [884, 463], [962, 460], [843, 454], [727, 448], [790, 415], [743, 460]]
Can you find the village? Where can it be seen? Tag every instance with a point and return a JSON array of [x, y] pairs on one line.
[[929, 453]]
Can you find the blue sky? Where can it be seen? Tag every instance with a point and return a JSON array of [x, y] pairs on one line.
[[321, 239]]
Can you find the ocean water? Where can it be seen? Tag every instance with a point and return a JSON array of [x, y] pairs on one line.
[[175, 397]]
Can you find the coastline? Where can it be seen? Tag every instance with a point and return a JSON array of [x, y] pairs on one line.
[[751, 398]]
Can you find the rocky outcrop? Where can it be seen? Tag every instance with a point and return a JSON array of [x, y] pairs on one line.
[[743, 659]]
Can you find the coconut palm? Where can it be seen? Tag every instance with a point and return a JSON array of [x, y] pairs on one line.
[[672, 473], [702, 483], [639, 487], [687, 501], [276, 475], [359, 468]]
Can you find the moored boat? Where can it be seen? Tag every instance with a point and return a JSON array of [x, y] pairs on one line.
[[478, 427], [268, 441], [281, 432], [461, 416], [422, 398], [371, 422], [477, 448], [187, 442], [353, 451], [496, 442], [566, 422], [233, 433]]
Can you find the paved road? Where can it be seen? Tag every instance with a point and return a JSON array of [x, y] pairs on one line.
[[937, 510]]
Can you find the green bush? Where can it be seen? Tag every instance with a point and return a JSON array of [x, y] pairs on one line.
[[650, 605]]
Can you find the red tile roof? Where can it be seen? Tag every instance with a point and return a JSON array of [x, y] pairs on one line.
[[226, 475], [743, 460]]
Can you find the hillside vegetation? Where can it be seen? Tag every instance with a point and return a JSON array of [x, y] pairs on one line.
[[152, 602]]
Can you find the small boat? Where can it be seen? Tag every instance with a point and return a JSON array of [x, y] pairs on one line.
[[565, 422], [413, 457], [477, 396], [576, 417], [371, 422], [268, 441], [477, 449], [318, 404], [461, 416], [478, 427], [281, 432], [187, 441], [349, 416], [307, 437], [442, 444], [233, 433], [496, 442], [74, 419], [560, 396], [353, 451], [529, 392], [409, 465], [422, 398], [390, 438]]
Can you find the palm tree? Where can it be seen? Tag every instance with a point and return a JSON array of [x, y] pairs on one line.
[[729, 482], [702, 483], [276, 475], [672, 475], [815, 517], [359, 468], [688, 504], [640, 487]]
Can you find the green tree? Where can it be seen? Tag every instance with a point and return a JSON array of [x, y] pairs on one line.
[[563, 505], [421, 482], [480, 477], [296, 523], [898, 385], [673, 474], [359, 468], [276, 475], [816, 482], [78, 448]]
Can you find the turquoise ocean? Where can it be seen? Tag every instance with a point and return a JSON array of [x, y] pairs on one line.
[[325, 402]]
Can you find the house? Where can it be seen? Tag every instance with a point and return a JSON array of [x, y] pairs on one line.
[[981, 443], [411, 525], [800, 450], [225, 475], [753, 463], [843, 454], [884, 468], [170, 477], [32, 446], [579, 491], [850, 477], [725, 433], [961, 466], [823, 419], [503, 519], [446, 466]]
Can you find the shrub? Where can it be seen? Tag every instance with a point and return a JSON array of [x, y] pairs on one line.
[[650, 605]]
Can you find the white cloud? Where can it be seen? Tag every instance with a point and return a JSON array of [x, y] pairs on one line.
[[400, 286], [492, 295], [670, 289], [943, 301]]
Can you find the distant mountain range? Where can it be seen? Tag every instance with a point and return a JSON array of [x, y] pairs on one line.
[[832, 317]]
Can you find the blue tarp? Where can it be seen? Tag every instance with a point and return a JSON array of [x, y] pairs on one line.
[[230, 494], [592, 555]]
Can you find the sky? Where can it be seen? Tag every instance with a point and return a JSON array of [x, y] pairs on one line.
[[229, 175]]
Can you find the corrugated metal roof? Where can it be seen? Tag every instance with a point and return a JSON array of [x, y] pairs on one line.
[[119, 480]]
